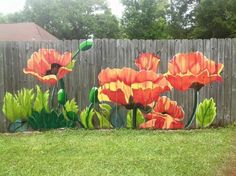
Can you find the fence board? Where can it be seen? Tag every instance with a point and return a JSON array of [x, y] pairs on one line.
[[227, 79], [233, 80], [2, 87], [119, 53]]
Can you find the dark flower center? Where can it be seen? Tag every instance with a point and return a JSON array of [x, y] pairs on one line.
[[196, 86], [54, 69]]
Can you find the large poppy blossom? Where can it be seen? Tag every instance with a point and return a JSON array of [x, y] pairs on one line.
[[128, 87], [166, 115], [49, 66], [192, 70]]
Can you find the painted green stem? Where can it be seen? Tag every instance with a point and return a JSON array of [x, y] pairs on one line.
[[196, 102], [75, 54], [85, 45], [62, 83], [135, 117], [87, 115], [52, 96]]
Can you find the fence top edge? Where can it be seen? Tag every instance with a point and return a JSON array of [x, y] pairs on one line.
[[102, 39]]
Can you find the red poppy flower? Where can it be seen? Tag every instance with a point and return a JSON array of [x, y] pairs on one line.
[[147, 61], [126, 86], [166, 115], [192, 70], [49, 66]]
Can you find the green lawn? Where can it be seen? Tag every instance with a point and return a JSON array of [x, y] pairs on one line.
[[117, 152]]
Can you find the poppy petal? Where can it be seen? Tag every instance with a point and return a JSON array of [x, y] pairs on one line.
[[147, 61], [49, 79]]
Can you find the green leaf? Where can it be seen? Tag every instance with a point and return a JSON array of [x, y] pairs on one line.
[[11, 107], [90, 119], [48, 120], [41, 101], [206, 113], [70, 110], [103, 122], [139, 117], [83, 115], [25, 98], [72, 116], [105, 110], [18, 106], [71, 106], [87, 119]]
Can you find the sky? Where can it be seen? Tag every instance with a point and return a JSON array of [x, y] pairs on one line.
[[10, 6]]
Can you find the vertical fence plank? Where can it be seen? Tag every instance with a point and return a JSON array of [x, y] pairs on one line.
[[233, 81], [227, 83], [220, 91], [2, 88], [214, 86]]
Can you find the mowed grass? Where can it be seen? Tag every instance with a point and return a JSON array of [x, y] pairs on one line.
[[117, 152]]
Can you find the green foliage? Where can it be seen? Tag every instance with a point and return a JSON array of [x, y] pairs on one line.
[[11, 108], [145, 19], [70, 110], [215, 19], [3, 18], [25, 98], [71, 106], [18, 106], [142, 19], [96, 117], [71, 19], [86, 118], [41, 101], [180, 17], [48, 120], [139, 116], [206, 113], [83, 117], [103, 115]]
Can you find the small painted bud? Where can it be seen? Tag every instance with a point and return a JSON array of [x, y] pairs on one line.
[[86, 45], [93, 95], [61, 97]]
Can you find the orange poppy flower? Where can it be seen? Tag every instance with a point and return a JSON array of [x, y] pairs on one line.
[[192, 70], [166, 115], [49, 66], [147, 61], [128, 87]]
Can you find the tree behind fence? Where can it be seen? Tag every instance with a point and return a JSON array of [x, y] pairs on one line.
[[119, 53]]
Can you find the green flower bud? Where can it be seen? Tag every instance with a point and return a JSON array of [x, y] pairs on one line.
[[61, 97], [86, 45], [93, 95]]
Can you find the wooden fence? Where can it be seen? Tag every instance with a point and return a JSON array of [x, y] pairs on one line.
[[119, 53]]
